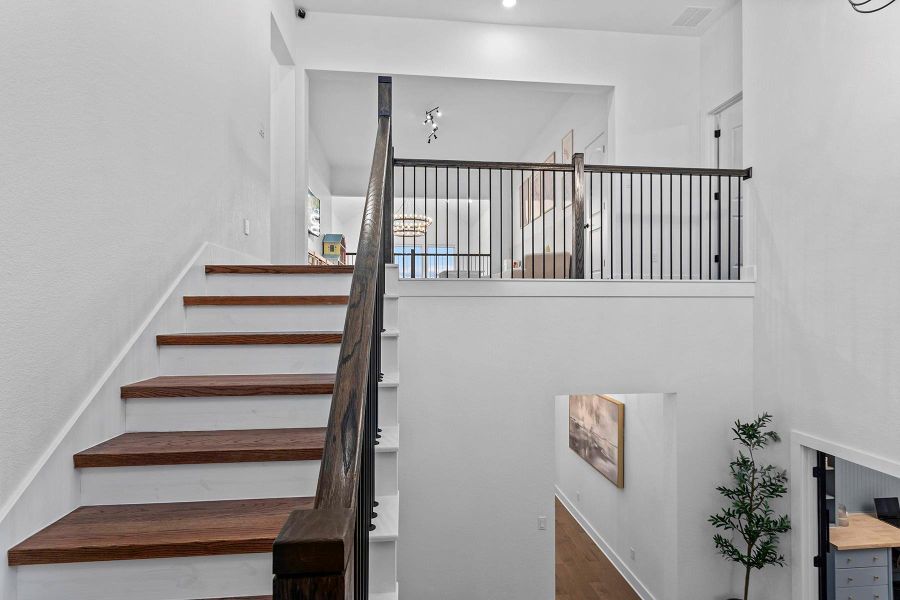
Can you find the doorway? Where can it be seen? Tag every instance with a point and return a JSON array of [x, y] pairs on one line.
[[282, 151], [727, 152]]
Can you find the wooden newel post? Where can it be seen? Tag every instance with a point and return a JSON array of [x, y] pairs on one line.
[[312, 556], [577, 271]]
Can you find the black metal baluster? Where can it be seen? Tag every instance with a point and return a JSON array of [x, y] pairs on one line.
[[621, 226], [590, 223], [709, 201], [479, 224], [691, 225], [500, 182], [740, 228], [730, 225], [719, 227], [631, 227], [533, 219]]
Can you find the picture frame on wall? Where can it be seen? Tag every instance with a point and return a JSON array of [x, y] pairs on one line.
[[597, 434], [549, 193], [314, 214], [568, 147], [525, 193]]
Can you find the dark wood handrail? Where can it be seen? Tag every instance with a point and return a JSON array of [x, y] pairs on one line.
[[568, 168], [312, 554]]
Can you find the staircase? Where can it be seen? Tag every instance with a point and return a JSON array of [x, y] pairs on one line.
[[219, 450]]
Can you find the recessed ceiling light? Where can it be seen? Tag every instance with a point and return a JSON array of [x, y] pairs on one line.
[[509, 3]]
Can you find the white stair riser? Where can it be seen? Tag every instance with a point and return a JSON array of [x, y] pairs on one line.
[[210, 414], [386, 483], [278, 285], [156, 579], [390, 355], [248, 359], [382, 567], [195, 483], [387, 407], [391, 279], [266, 318], [391, 313]]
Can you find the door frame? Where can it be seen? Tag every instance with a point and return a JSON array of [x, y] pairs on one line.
[[804, 536]]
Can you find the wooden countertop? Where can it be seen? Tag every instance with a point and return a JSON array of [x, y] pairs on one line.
[[865, 532]]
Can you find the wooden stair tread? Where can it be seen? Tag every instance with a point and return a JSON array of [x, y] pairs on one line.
[[205, 447], [253, 338], [278, 269], [265, 300], [166, 530], [204, 386]]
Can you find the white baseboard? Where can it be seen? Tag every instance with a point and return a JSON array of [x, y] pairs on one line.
[[52, 486], [639, 588]]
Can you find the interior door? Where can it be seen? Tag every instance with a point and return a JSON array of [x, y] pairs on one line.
[[730, 155]]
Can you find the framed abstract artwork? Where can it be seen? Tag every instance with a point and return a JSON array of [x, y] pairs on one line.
[[525, 204], [568, 147], [314, 210], [597, 434], [548, 191]]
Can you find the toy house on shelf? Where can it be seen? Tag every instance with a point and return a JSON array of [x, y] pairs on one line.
[[334, 248]]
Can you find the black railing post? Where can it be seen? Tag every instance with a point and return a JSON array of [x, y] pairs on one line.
[[578, 217], [412, 263]]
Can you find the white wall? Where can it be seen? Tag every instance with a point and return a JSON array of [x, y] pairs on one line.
[[638, 516], [482, 363], [650, 127], [721, 60], [128, 139], [588, 115], [820, 114], [320, 185]]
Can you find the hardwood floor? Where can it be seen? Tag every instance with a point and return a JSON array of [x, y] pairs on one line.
[[582, 571]]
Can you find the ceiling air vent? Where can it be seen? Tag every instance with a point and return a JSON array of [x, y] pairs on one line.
[[692, 16]]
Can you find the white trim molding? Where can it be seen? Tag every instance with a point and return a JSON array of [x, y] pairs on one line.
[[639, 588]]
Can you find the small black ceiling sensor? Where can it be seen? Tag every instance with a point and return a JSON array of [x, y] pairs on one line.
[[301, 13]]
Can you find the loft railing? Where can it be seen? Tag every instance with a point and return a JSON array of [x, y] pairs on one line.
[[323, 553], [568, 221]]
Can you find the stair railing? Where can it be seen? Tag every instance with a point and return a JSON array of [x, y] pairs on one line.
[[323, 553], [570, 220]]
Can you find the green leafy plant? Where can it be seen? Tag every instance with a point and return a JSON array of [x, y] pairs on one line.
[[749, 518]]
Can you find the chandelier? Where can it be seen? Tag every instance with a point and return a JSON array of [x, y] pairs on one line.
[[411, 225], [870, 6]]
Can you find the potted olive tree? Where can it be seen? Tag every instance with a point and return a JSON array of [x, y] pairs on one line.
[[749, 524]]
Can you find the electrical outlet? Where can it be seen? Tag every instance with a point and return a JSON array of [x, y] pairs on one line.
[[633, 554], [577, 496], [542, 523], [655, 256], [246, 226]]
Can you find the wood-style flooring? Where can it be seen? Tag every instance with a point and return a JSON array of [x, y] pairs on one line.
[[582, 571]]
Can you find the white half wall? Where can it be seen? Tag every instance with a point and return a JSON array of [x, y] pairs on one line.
[[641, 516], [820, 114], [130, 136], [482, 363]]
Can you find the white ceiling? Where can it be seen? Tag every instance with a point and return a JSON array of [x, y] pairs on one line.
[[481, 119], [635, 16]]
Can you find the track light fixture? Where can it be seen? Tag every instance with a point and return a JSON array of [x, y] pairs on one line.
[[430, 122], [870, 6]]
